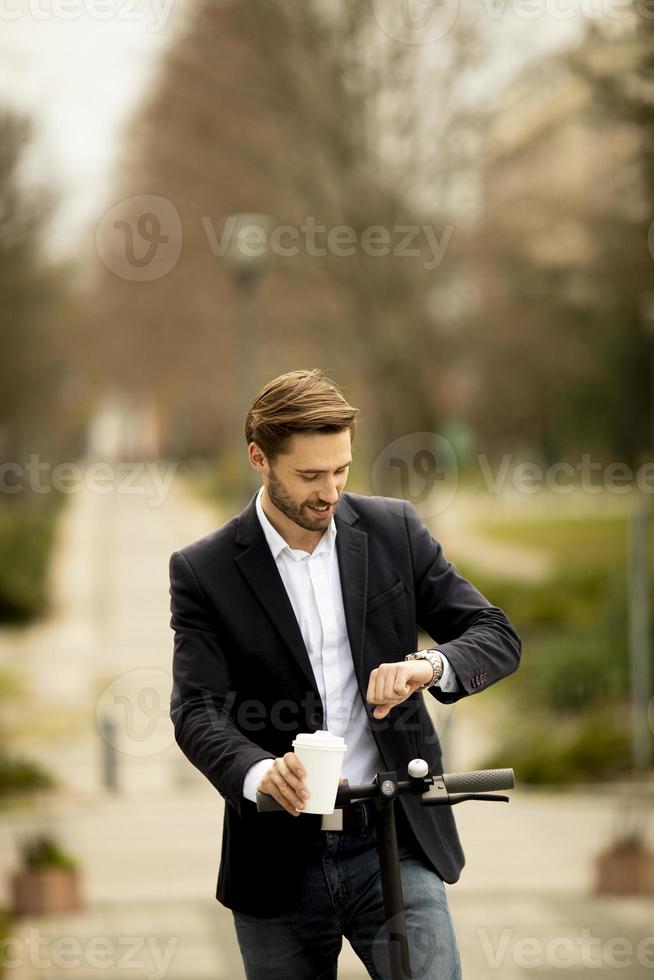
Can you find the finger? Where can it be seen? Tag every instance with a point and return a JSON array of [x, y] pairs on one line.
[[382, 710], [372, 682], [394, 687], [295, 765], [286, 795], [275, 784], [377, 693], [296, 782]]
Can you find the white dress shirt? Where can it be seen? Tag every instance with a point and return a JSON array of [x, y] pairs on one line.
[[313, 585]]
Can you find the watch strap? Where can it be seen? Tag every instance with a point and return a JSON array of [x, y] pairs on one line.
[[436, 661]]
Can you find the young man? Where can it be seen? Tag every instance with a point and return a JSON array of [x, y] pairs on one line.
[[295, 616]]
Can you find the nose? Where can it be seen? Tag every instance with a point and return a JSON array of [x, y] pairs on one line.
[[329, 491]]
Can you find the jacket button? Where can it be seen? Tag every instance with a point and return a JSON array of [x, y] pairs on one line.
[[315, 719]]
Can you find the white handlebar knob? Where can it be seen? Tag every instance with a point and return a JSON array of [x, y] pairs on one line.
[[418, 768]]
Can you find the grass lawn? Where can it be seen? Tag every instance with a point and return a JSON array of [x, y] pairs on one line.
[[580, 541]]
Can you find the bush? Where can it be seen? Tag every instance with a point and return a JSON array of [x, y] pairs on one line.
[[21, 776], [545, 752], [566, 705], [6, 924], [44, 851], [26, 539]]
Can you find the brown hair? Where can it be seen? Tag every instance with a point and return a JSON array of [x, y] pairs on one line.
[[300, 401]]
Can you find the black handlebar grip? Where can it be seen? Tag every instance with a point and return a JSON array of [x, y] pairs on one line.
[[266, 802], [480, 781]]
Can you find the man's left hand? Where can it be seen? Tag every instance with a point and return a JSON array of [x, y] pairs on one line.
[[391, 684]]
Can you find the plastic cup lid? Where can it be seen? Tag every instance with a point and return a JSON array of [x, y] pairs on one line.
[[320, 740]]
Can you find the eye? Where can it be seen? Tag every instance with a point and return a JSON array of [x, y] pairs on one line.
[[308, 478]]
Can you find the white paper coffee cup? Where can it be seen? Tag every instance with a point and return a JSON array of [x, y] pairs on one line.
[[321, 754]]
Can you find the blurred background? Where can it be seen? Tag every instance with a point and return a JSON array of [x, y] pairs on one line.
[[449, 207]]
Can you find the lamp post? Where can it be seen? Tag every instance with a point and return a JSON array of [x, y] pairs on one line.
[[246, 258], [647, 321], [639, 611]]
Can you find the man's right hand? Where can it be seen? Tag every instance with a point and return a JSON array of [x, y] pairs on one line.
[[284, 781]]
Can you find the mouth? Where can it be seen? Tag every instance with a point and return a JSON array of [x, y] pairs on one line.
[[321, 511]]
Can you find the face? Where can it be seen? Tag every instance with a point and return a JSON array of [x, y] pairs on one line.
[[306, 481]]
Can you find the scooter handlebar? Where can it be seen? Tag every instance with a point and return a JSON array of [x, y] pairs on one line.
[[479, 781], [266, 802]]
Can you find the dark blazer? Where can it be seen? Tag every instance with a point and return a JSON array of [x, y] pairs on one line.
[[243, 685]]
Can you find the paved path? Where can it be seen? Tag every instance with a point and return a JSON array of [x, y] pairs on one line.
[[150, 851], [457, 527]]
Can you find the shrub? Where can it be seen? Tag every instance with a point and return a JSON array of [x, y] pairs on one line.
[[26, 539], [44, 851], [21, 776]]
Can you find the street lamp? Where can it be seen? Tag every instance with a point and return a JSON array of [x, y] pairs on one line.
[[246, 258]]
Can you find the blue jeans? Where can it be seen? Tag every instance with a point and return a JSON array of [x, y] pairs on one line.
[[341, 896]]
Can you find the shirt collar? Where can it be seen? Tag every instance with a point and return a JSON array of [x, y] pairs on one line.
[[277, 544]]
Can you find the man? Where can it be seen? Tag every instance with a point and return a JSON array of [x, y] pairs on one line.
[[296, 616]]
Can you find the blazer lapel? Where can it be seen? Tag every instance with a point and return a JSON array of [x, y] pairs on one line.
[[352, 551], [258, 566]]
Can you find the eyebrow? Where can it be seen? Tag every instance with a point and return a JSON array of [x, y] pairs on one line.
[[341, 467]]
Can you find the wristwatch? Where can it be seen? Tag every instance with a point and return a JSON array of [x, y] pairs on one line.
[[434, 659]]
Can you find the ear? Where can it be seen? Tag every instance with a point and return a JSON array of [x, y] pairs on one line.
[[257, 458]]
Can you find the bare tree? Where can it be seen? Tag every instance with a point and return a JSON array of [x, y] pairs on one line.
[[308, 113], [37, 316]]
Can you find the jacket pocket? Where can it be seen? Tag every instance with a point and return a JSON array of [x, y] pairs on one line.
[[381, 600]]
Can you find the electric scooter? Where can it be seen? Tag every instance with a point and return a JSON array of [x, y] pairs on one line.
[[446, 789]]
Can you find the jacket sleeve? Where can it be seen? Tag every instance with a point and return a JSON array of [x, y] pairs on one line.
[[477, 638], [202, 698]]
